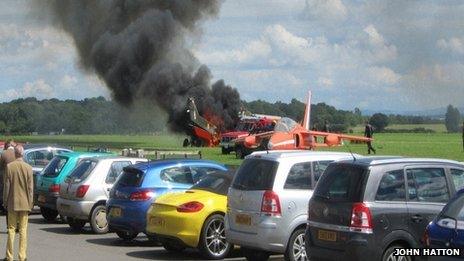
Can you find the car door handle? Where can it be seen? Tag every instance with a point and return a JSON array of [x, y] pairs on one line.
[[417, 218]]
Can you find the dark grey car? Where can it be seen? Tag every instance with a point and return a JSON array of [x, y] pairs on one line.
[[370, 206]]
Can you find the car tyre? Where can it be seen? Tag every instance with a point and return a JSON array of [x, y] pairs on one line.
[[48, 214], [388, 254], [172, 247], [239, 152], [296, 248], [255, 254], [76, 224], [126, 236], [213, 243], [98, 221]]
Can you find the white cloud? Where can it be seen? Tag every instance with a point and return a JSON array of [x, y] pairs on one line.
[[39, 89], [379, 49], [325, 10], [251, 51], [326, 82], [68, 81], [383, 75], [453, 44], [436, 84]]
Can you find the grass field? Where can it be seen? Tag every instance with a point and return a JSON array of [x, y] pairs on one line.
[[436, 145], [435, 127]]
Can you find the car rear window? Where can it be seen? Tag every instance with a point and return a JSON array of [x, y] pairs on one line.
[[218, 184], [341, 182], [130, 178], [54, 167], [255, 174], [82, 170]]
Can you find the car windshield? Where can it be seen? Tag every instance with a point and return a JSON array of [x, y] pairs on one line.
[[452, 212], [82, 170], [218, 184], [255, 174], [54, 167], [285, 125]]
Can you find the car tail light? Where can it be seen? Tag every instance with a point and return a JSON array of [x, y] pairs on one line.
[[426, 238], [54, 188], [190, 207], [271, 203], [142, 195], [81, 190], [361, 217]]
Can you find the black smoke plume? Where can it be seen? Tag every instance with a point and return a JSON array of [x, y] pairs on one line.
[[140, 48]]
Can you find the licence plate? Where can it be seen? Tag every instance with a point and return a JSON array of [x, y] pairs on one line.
[[115, 212], [243, 219], [327, 235], [41, 199], [157, 221]]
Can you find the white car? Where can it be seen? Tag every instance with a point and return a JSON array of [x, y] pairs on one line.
[[268, 201], [84, 192]]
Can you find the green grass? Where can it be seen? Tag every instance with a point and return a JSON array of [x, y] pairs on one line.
[[435, 127], [436, 145]]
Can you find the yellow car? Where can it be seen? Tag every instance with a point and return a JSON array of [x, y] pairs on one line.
[[194, 218]]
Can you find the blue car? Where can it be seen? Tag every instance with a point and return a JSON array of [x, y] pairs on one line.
[[447, 229], [140, 184]]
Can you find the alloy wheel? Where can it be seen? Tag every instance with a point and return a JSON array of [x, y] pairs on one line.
[[392, 257], [100, 219], [299, 248], [216, 238]]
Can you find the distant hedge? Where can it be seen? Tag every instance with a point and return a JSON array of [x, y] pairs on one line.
[[415, 130]]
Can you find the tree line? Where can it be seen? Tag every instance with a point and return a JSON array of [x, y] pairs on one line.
[[101, 116], [343, 120], [88, 116]]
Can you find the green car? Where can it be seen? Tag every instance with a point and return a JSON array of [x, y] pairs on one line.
[[56, 171]]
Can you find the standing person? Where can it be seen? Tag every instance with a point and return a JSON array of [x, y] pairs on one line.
[[18, 200], [326, 126], [6, 157], [369, 132], [463, 136]]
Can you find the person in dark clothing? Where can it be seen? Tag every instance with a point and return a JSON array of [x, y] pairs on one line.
[[6, 156], [369, 132], [326, 127]]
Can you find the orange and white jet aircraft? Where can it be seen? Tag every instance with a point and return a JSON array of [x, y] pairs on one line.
[[289, 135]]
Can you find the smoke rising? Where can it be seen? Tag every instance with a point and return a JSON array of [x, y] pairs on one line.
[[140, 49]]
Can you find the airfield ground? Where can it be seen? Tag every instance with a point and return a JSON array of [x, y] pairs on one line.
[[437, 145]]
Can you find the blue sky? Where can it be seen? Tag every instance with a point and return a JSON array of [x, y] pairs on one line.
[[376, 55]]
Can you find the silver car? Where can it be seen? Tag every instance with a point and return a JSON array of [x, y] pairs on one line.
[[268, 202], [84, 193]]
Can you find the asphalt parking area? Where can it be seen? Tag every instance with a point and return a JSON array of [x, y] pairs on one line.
[[56, 241]]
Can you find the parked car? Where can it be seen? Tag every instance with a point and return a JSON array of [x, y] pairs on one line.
[[83, 194], [370, 206], [194, 218], [447, 229], [38, 156], [267, 202], [52, 175], [138, 185]]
